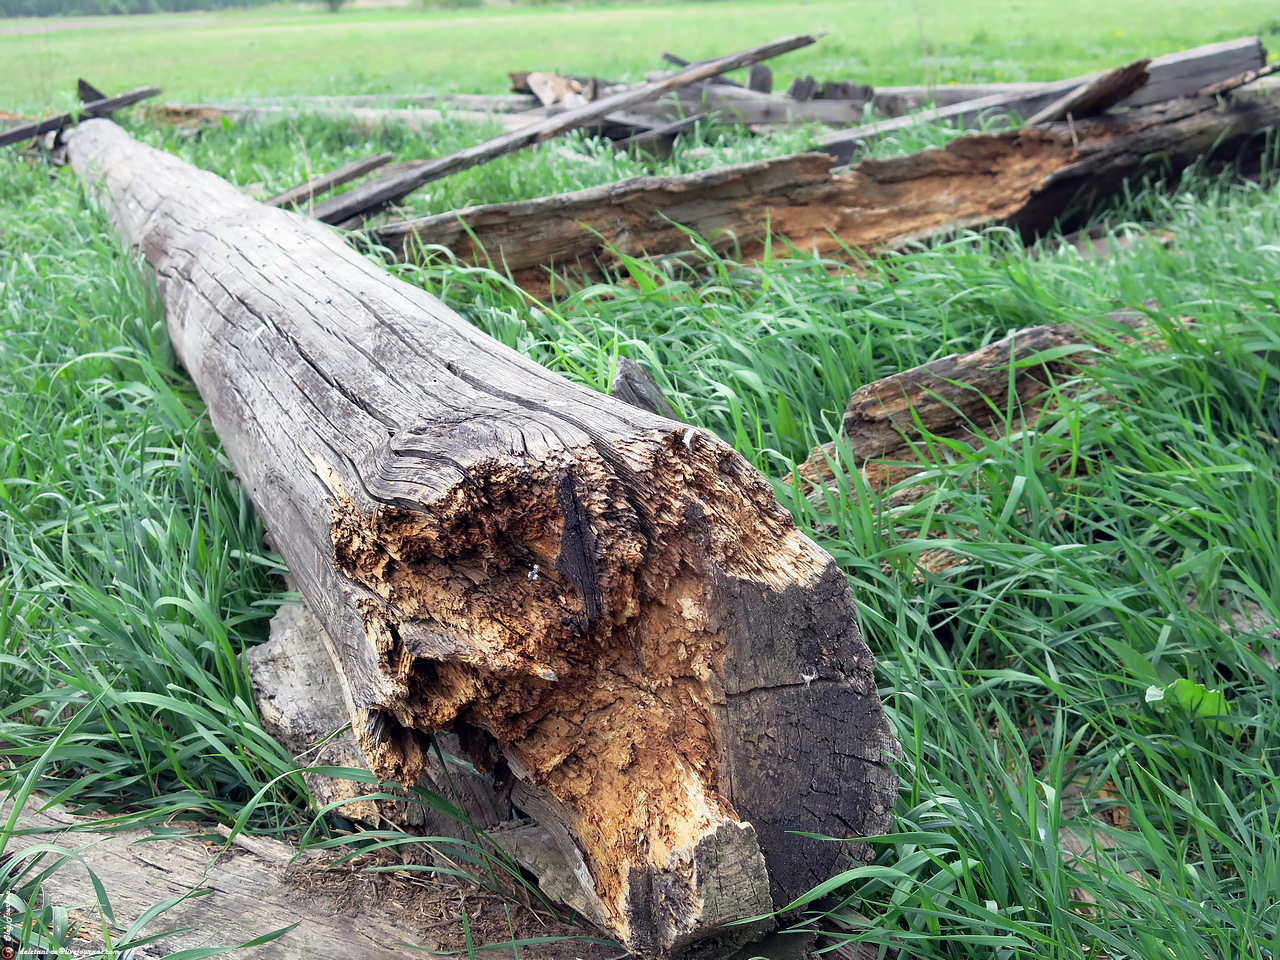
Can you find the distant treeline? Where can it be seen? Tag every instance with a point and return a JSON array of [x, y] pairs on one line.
[[61, 8]]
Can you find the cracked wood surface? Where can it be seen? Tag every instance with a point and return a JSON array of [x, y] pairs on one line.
[[1026, 179], [610, 609]]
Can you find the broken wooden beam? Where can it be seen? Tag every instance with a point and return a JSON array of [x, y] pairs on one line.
[[610, 609], [1099, 94], [364, 200], [1025, 179], [316, 186], [1169, 77], [98, 108]]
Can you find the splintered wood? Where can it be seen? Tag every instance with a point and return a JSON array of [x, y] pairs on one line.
[[609, 608]]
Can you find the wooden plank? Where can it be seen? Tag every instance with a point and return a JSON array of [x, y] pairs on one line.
[[675, 61], [1174, 75], [63, 120], [751, 107], [608, 607], [363, 118], [1097, 95], [306, 192], [363, 200]]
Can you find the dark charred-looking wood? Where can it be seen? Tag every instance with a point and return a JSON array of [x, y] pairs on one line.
[[803, 88], [317, 186], [87, 92], [760, 78], [615, 603], [97, 108], [365, 199]]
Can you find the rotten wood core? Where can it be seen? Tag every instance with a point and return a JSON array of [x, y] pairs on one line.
[[609, 608], [1030, 179]]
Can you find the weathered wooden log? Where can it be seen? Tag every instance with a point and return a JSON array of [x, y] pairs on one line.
[[609, 608], [1169, 77], [1025, 179], [364, 200]]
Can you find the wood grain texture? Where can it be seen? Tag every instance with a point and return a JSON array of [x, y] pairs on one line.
[[1174, 75], [253, 886], [610, 609], [1099, 94], [1026, 179]]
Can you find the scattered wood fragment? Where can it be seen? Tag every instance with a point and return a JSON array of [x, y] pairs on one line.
[[98, 108], [634, 384], [675, 61], [1169, 77], [962, 396], [304, 193], [251, 888], [1026, 179], [362, 118], [364, 200], [87, 92], [609, 608], [1099, 94]]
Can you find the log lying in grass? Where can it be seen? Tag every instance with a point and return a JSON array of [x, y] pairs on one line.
[[963, 396], [1026, 179], [609, 608], [1175, 75]]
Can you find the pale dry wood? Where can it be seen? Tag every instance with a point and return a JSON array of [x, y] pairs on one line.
[[610, 609], [298, 688], [364, 200], [1025, 179], [316, 186], [253, 886], [362, 118], [1099, 94], [740, 105], [1171, 76]]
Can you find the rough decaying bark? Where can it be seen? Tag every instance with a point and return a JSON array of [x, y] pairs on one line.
[[1026, 179], [962, 396], [609, 608]]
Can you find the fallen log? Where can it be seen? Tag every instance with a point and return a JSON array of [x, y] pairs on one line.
[[236, 892], [609, 608], [97, 108], [1027, 179], [1169, 77], [364, 200], [316, 186]]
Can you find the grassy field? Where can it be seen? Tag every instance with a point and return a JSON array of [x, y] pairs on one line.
[[290, 50], [1097, 674]]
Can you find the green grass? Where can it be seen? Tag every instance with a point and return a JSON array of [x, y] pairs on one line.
[[1079, 662], [282, 50]]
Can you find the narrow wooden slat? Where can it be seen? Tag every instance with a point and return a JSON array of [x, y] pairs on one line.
[[98, 108], [1097, 95], [305, 192], [374, 196]]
